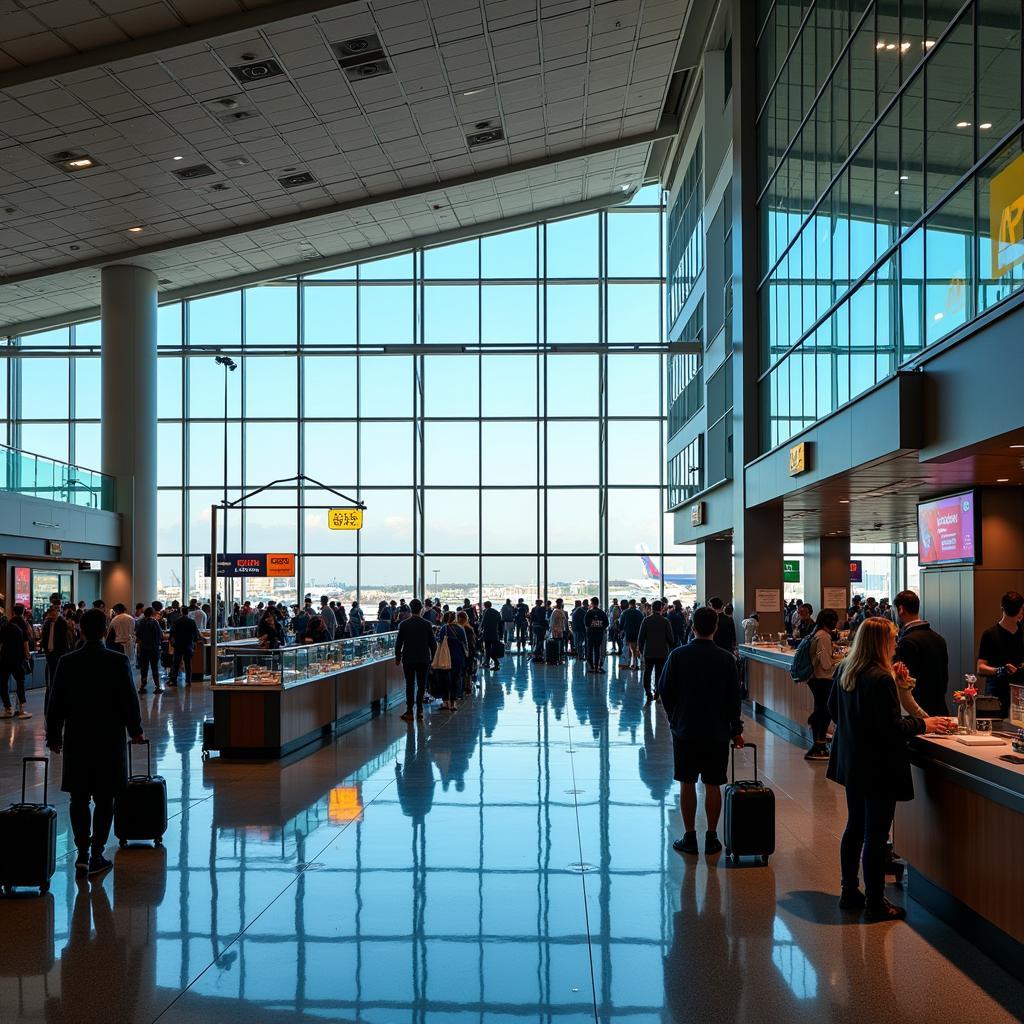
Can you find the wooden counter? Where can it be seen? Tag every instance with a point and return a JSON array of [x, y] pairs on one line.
[[962, 836], [271, 721], [772, 692]]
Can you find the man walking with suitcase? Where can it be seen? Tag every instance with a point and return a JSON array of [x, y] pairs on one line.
[[700, 691], [93, 705]]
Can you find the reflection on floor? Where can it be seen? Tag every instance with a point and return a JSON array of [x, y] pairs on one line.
[[510, 862]]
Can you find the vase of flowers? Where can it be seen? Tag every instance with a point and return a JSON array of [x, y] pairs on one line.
[[966, 714]]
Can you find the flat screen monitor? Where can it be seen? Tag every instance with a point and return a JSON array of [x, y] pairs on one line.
[[947, 529]]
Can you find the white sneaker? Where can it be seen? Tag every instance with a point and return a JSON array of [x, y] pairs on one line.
[[22, 713], [7, 713]]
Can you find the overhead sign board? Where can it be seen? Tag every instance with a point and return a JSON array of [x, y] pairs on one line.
[[697, 513], [798, 458], [234, 565], [345, 519], [790, 570], [856, 570]]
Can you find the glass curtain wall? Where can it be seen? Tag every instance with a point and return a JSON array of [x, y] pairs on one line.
[[890, 166], [497, 404]]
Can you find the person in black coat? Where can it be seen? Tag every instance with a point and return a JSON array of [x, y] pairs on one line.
[[869, 757], [414, 651], [491, 628], [93, 706], [184, 637], [924, 653]]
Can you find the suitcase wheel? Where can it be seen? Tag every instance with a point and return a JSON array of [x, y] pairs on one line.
[[124, 843]]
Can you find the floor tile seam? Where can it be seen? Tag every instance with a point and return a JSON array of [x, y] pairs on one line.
[[583, 882]]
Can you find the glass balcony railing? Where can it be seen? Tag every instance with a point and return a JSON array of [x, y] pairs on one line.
[[40, 477]]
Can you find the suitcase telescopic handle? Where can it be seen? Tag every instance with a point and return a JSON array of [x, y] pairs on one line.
[[24, 775], [746, 746], [149, 756]]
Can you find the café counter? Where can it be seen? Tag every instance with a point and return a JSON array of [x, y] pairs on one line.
[[962, 837], [771, 690], [267, 704]]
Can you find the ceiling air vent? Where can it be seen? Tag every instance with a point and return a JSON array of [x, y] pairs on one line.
[[485, 138], [257, 71], [371, 69], [362, 47], [195, 171], [295, 180]]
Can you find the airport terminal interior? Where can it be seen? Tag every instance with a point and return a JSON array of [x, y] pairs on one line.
[[516, 509]]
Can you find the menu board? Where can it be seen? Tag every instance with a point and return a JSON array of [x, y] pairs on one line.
[[946, 529]]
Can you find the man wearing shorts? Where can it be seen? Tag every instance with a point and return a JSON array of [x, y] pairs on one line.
[[701, 694]]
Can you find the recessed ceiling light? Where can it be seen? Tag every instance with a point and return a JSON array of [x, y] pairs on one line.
[[963, 124], [985, 125], [890, 46], [177, 158], [72, 162], [880, 45], [135, 230], [472, 92], [1002, 479], [1017, 445], [928, 44], [896, 192], [844, 501], [904, 177], [904, 46]]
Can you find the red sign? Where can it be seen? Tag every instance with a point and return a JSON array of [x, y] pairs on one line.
[[945, 529], [23, 587]]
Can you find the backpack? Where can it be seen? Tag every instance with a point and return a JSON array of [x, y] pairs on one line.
[[802, 669]]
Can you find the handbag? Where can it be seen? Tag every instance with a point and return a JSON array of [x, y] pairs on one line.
[[442, 656]]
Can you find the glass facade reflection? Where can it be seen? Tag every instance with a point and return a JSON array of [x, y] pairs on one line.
[[498, 403], [887, 135]]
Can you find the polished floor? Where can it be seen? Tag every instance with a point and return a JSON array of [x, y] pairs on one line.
[[510, 862]]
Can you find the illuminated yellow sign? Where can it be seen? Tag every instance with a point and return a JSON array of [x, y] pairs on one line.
[[1006, 217], [798, 458], [344, 804], [345, 519]]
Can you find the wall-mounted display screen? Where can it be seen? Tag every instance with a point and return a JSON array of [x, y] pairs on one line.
[[947, 529]]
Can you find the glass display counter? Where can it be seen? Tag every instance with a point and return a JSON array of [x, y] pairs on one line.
[[269, 703]]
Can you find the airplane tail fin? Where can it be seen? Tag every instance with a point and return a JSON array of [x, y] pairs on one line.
[[650, 569]]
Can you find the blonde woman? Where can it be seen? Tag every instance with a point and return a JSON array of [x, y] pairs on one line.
[[870, 758]]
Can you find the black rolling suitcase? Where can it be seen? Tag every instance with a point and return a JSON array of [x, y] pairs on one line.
[[140, 810], [28, 838], [552, 651], [749, 816], [209, 739]]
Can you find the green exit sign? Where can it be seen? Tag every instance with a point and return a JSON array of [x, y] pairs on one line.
[[790, 570]]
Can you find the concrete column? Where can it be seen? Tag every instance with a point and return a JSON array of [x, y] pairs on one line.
[[758, 540], [714, 569], [826, 565], [129, 443]]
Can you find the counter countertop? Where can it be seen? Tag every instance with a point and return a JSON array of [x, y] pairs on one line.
[[981, 763], [290, 684], [770, 654]]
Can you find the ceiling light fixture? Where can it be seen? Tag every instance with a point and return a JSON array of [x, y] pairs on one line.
[[844, 501], [904, 46], [890, 46], [72, 162], [963, 124], [896, 192], [137, 229], [880, 45], [985, 125], [1017, 445], [177, 158], [928, 44], [938, 316], [1002, 479], [472, 92], [904, 177]]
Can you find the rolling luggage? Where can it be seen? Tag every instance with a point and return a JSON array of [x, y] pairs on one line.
[[209, 740], [498, 650], [140, 810], [749, 816], [552, 651], [28, 838]]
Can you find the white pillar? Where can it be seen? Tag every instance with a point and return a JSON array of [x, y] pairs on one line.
[[129, 442]]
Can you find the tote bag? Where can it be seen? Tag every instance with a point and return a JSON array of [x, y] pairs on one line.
[[442, 656]]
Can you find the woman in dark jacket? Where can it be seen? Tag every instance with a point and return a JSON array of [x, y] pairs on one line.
[[314, 632], [270, 633], [869, 757], [457, 651]]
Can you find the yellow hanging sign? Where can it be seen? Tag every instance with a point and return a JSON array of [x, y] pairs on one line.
[[345, 519]]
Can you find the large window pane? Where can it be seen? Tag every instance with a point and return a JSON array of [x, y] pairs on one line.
[[457, 578], [385, 315], [573, 578], [510, 254], [318, 538], [634, 452], [452, 385], [168, 521], [384, 579], [572, 314], [574, 453], [49, 439], [572, 247], [168, 388], [206, 389], [87, 446], [216, 320], [270, 386], [509, 314], [634, 313], [451, 521], [451, 453], [271, 315], [462, 259], [273, 529], [271, 452], [634, 385], [451, 314], [329, 314], [509, 455], [333, 577], [634, 246], [387, 460], [509, 386], [87, 389], [509, 577], [329, 383], [329, 451], [388, 269], [573, 387], [44, 389], [387, 524], [169, 453], [509, 523], [206, 454], [168, 324], [634, 519], [573, 519], [385, 386]]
